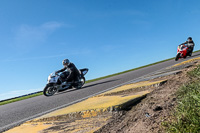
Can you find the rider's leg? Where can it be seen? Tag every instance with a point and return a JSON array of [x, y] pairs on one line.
[[63, 76], [190, 50]]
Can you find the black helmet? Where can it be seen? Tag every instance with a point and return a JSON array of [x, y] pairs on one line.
[[66, 62], [189, 38]]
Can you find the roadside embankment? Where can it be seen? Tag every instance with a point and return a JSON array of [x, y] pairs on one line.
[[172, 107], [186, 117]]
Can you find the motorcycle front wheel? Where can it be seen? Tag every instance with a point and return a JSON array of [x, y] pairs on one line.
[[177, 56], [49, 90]]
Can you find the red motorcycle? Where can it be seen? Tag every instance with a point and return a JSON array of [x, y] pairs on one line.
[[181, 52]]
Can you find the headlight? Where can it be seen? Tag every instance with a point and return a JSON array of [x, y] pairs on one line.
[[49, 78]]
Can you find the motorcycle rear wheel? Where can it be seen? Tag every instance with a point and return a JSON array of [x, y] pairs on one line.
[[49, 90], [80, 84]]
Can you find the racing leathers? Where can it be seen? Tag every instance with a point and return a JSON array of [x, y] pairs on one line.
[[190, 45], [71, 74]]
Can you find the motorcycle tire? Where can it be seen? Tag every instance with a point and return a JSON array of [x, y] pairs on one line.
[[177, 56], [80, 84], [49, 90]]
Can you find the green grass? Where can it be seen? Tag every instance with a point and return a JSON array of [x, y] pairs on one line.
[[21, 98], [196, 51], [127, 71], [186, 118], [195, 74]]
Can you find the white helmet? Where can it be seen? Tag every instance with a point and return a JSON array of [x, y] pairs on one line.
[[66, 62]]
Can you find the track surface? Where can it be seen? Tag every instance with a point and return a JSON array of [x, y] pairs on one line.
[[15, 113]]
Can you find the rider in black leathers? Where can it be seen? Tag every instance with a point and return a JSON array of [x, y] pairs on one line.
[[190, 45], [72, 72]]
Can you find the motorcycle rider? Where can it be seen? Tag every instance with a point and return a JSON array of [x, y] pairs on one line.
[[190, 45], [72, 72]]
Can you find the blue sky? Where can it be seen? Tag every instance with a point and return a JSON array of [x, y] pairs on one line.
[[106, 36]]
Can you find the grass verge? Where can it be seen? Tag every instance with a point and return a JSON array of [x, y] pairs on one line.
[[128, 70], [20, 98], [186, 118]]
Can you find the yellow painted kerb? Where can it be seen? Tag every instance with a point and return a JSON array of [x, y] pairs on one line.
[[132, 86], [185, 62]]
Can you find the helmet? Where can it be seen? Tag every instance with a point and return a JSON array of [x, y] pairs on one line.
[[189, 38], [66, 62]]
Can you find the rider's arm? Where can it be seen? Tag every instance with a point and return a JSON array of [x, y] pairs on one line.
[[191, 42], [70, 72], [61, 70], [184, 43], [71, 69]]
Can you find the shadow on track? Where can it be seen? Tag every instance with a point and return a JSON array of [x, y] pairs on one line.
[[73, 89]]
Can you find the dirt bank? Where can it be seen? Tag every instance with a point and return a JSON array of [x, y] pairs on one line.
[[148, 115]]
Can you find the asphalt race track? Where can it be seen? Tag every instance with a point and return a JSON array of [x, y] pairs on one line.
[[15, 113]]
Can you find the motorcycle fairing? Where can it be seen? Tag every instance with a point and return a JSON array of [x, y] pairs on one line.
[[52, 78], [84, 71]]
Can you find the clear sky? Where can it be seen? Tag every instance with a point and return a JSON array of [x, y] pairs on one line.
[[106, 36]]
